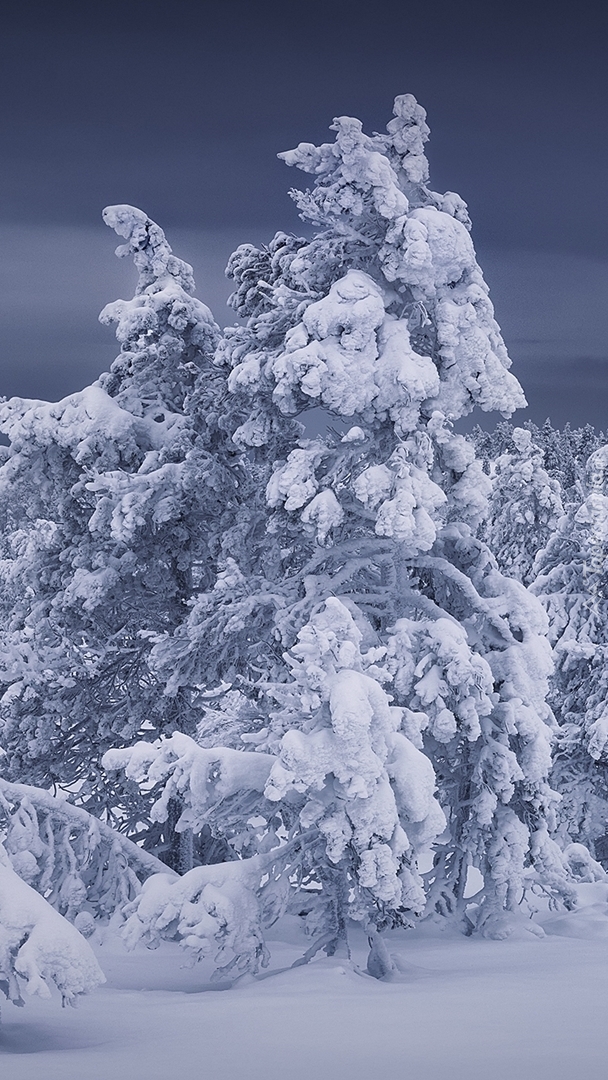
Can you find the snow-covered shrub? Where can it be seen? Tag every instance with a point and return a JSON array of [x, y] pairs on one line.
[[38, 947], [333, 720], [213, 910]]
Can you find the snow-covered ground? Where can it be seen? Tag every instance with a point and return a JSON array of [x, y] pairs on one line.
[[465, 1008]]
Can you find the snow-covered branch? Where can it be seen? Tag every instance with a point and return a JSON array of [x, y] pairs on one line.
[[201, 778], [77, 862]]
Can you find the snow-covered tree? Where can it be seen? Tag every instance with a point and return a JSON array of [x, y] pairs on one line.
[[369, 622], [571, 582], [525, 507], [335, 795], [111, 503]]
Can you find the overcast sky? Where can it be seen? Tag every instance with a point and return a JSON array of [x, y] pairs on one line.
[[181, 109]]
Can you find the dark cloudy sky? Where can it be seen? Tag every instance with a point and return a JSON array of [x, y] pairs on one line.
[[181, 108]]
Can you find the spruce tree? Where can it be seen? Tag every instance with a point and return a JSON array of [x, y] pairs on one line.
[[111, 499]]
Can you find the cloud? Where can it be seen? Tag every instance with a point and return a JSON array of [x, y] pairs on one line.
[[551, 306], [54, 280], [553, 311]]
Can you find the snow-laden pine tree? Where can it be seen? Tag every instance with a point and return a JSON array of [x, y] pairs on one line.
[[525, 507], [110, 504], [372, 631], [571, 583]]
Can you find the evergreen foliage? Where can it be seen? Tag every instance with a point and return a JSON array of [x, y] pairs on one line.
[[78, 863], [564, 451], [571, 583]]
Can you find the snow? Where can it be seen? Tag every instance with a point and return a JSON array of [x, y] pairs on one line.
[[324, 512], [460, 1007]]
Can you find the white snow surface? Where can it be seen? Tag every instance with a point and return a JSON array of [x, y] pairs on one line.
[[466, 1008]]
